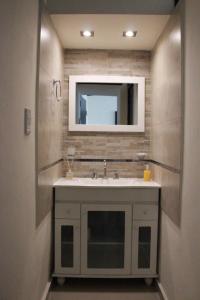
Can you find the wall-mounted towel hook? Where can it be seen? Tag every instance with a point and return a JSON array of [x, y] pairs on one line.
[[58, 89]]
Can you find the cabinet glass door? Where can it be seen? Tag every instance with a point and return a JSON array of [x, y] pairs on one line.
[[144, 247], [105, 238], [67, 246]]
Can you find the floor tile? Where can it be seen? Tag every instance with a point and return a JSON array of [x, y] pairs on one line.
[[103, 289]]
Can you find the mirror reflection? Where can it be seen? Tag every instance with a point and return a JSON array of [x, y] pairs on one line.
[[107, 103]]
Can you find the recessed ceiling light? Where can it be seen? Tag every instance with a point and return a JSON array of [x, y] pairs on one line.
[[129, 33], [87, 33]]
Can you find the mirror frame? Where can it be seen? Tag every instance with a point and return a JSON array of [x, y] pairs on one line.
[[73, 80]]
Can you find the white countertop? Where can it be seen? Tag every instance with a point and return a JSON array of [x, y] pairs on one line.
[[106, 183]]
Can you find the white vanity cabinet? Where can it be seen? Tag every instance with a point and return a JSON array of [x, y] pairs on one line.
[[67, 238], [105, 239], [106, 232], [144, 238]]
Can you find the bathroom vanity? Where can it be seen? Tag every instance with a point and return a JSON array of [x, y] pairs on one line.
[[106, 228]]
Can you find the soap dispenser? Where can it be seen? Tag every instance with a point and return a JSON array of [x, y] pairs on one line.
[[147, 173]]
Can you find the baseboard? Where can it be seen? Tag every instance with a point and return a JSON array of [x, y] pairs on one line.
[[162, 291], [46, 291]]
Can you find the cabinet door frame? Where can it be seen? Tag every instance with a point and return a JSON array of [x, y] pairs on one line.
[[76, 246], [84, 238], [152, 270]]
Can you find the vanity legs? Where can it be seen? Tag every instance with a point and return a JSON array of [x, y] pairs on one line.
[[148, 281], [60, 281]]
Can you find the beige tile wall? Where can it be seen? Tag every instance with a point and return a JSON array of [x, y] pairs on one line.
[[170, 192], [167, 103], [108, 145], [123, 169], [180, 246], [46, 179], [49, 115], [167, 115], [49, 109]]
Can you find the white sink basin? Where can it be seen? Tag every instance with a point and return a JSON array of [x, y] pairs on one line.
[[105, 182]]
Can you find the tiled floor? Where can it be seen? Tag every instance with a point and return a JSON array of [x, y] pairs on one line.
[[103, 289]]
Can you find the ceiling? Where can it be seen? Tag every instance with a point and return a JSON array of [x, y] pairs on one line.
[[108, 30], [111, 6]]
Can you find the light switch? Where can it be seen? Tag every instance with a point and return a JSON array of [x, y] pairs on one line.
[[27, 121]]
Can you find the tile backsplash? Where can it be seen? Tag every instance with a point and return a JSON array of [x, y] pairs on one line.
[[108, 145], [123, 169]]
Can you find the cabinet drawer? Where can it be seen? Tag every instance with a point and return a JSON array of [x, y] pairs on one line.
[[145, 212], [67, 211]]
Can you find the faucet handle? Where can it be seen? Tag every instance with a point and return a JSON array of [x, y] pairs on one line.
[[94, 175], [116, 175]]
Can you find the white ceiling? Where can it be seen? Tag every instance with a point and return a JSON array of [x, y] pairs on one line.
[[108, 30]]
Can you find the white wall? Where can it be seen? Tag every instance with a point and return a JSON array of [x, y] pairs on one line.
[[180, 247], [24, 250]]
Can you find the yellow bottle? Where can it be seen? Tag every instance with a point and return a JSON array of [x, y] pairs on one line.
[[147, 173]]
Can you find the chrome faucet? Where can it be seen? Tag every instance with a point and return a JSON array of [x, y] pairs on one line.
[[94, 175], [105, 169]]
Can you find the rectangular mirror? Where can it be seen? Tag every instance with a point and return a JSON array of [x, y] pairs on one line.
[[106, 103]]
